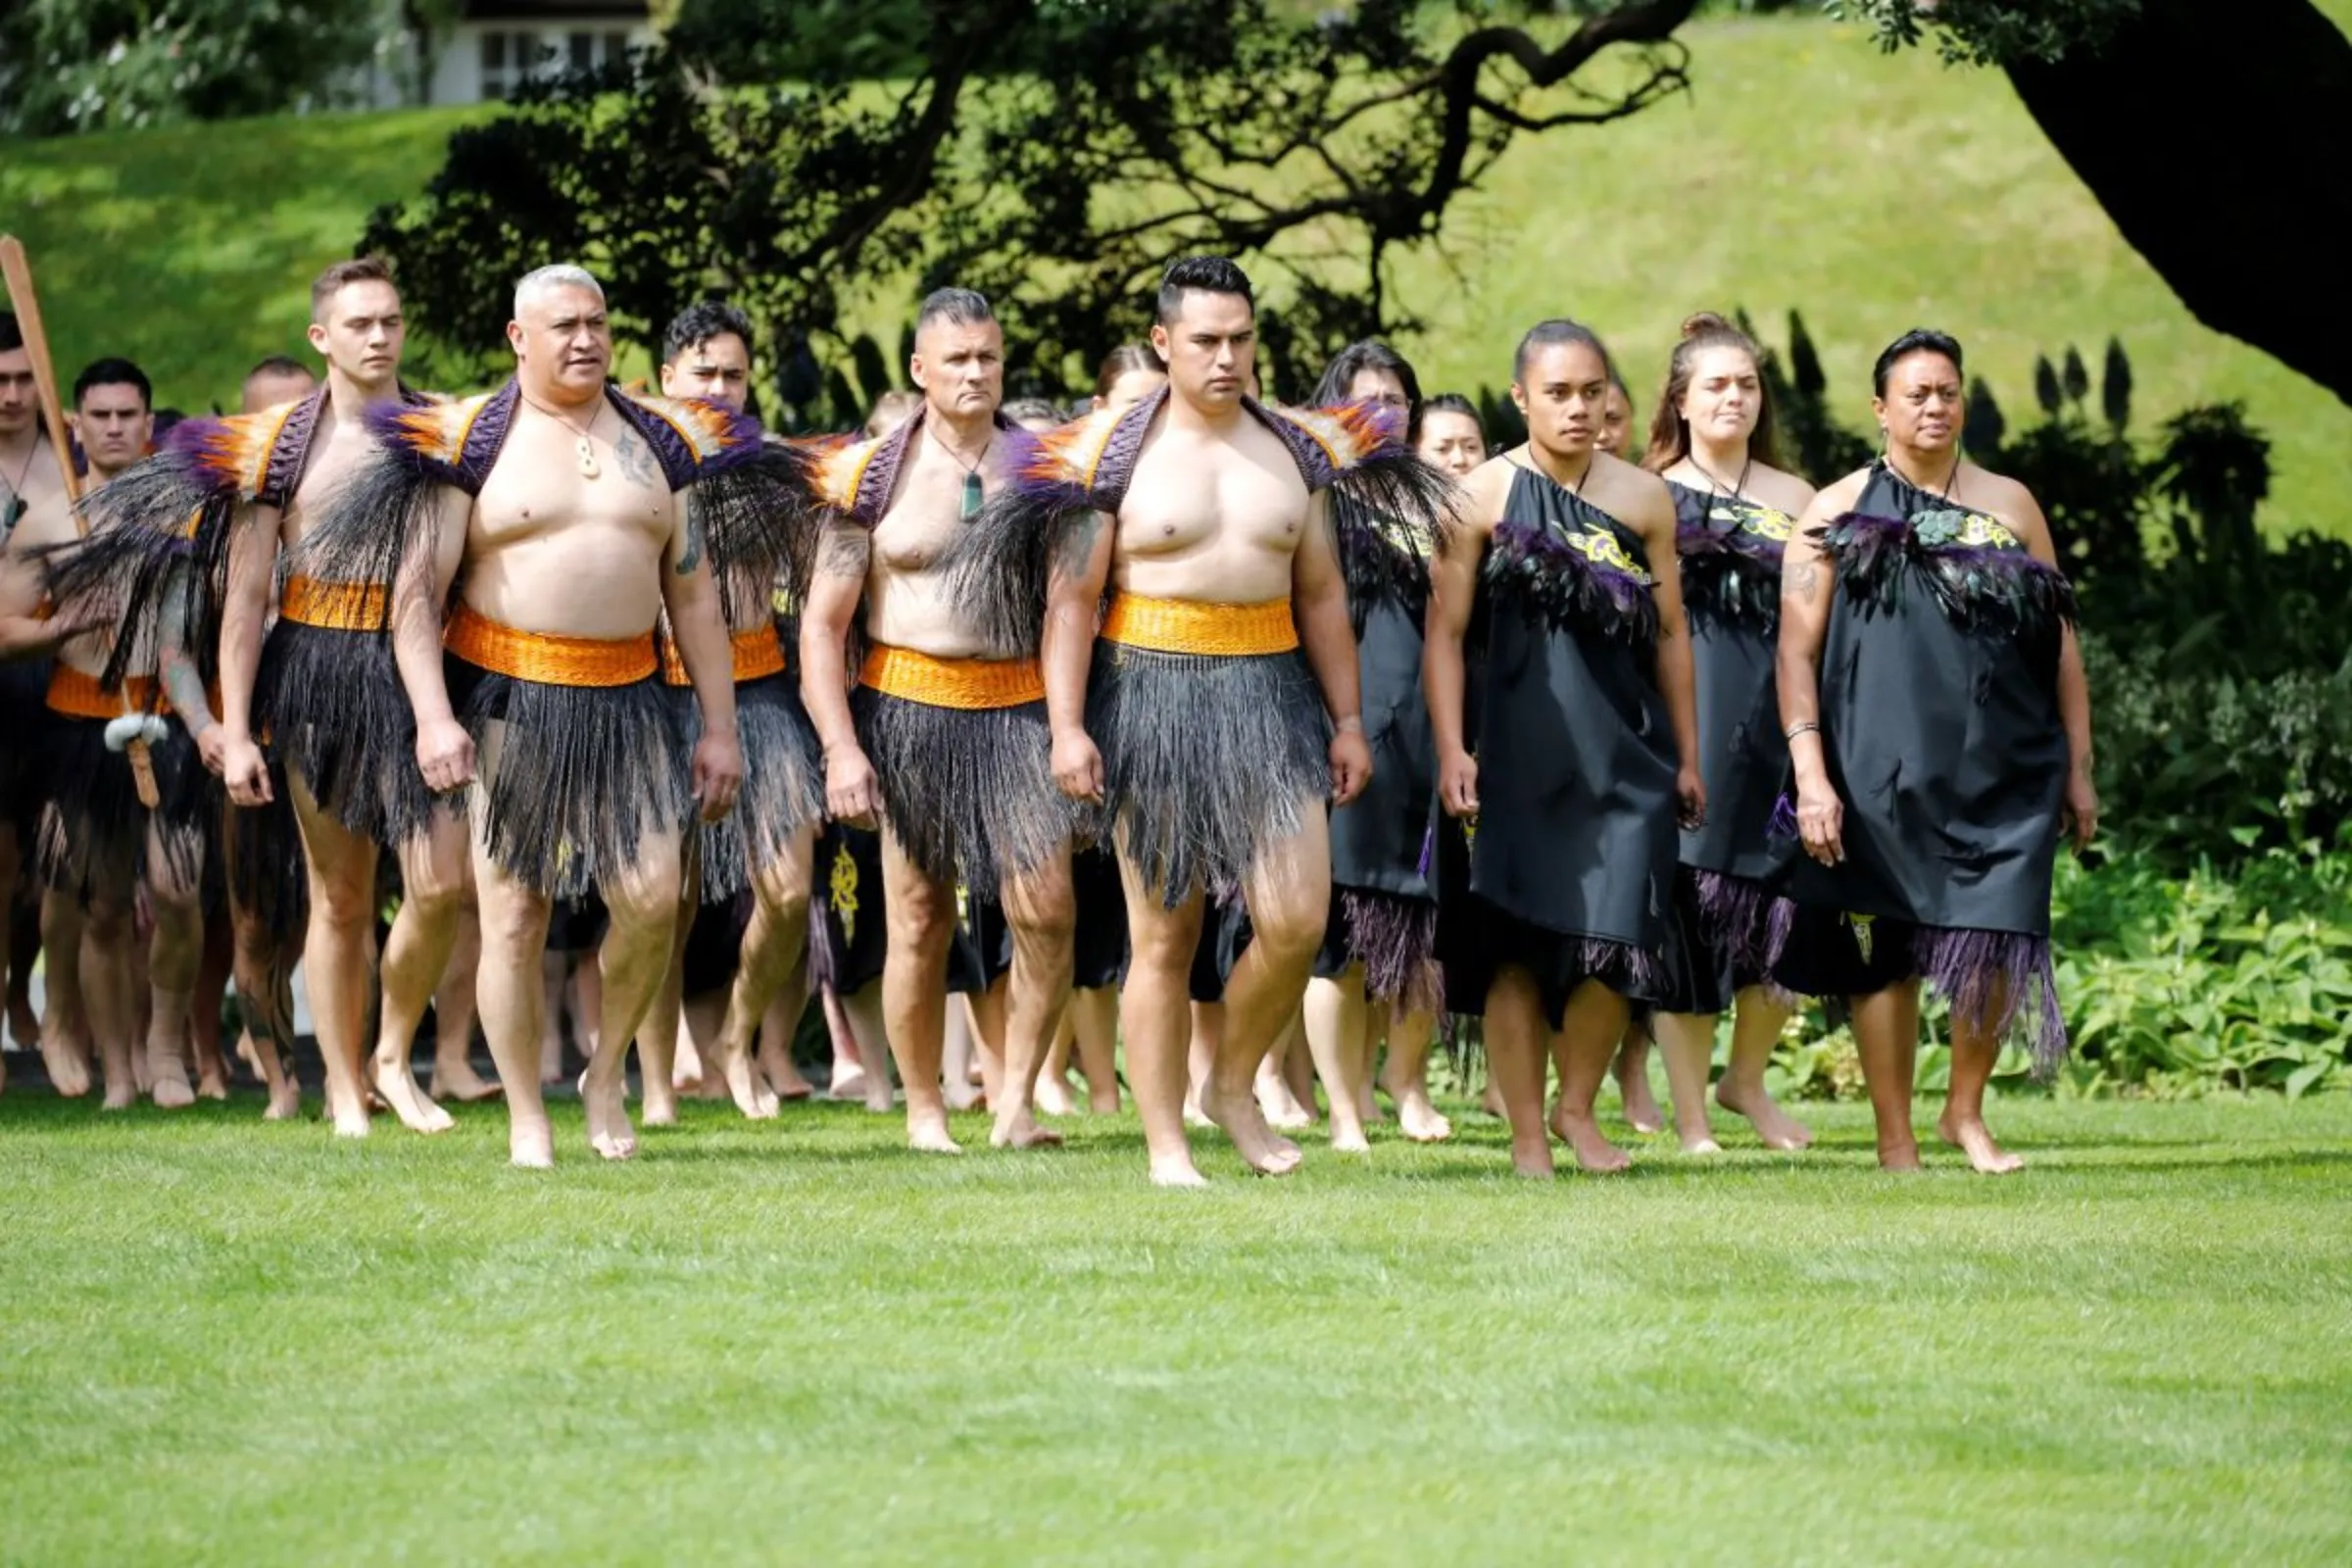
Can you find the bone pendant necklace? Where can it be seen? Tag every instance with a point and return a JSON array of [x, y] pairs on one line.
[[580, 444]]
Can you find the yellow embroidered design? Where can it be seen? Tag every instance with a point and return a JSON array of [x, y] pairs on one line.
[[842, 890], [1747, 517], [1861, 924], [1601, 546], [1978, 529]]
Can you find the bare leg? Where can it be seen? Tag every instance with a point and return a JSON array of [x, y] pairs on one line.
[[778, 1074], [771, 977], [175, 952], [961, 1087], [644, 904], [20, 1024], [863, 1014], [985, 1013], [1686, 1040], [335, 954], [1094, 1021], [263, 966], [847, 1081], [1887, 1034], [1054, 1095], [109, 995], [1288, 894], [1516, 1032], [585, 996], [923, 921], [1042, 908], [511, 989], [1976, 1050], [1367, 1058], [1287, 1106], [1153, 1019], [1756, 1026], [433, 905], [555, 968], [1641, 1112], [1405, 1076], [1206, 1021], [658, 1036], [1589, 1037], [454, 1077], [213, 968], [66, 1031], [1335, 1031]]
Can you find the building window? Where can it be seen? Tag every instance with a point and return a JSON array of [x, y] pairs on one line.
[[582, 50], [509, 59], [617, 48]]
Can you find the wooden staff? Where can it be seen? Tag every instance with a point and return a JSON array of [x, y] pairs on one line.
[[16, 269]]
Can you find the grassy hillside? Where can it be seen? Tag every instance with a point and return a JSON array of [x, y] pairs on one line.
[[1804, 171]]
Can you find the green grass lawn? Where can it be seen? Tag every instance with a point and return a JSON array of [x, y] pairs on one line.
[[221, 1340], [1804, 171]]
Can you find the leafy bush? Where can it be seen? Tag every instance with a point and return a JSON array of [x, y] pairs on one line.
[[2173, 987]]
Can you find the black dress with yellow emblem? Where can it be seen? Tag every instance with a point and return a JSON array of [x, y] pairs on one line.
[[1568, 869], [1941, 733]]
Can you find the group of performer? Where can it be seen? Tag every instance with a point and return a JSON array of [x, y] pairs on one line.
[[1194, 724]]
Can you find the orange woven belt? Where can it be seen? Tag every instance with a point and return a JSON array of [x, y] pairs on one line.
[[547, 657], [1182, 626], [967, 683], [333, 606], [79, 695], [757, 654]]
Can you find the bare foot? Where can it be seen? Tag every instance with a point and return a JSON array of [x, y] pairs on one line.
[[1018, 1129], [1194, 1115], [396, 1086], [1176, 1171], [749, 1088], [1531, 1157], [1280, 1107], [848, 1084], [1053, 1096], [686, 1069], [658, 1110], [782, 1076], [927, 1133], [1902, 1157], [285, 1098], [1103, 1102], [1490, 1103], [122, 1094], [962, 1095], [1421, 1121], [1581, 1134], [22, 1027], [1775, 1126], [608, 1105], [531, 1145], [211, 1084], [1368, 1109], [1702, 1144], [456, 1080], [168, 1077], [1350, 1140], [880, 1099], [1246, 1124], [1641, 1112], [1973, 1137], [247, 1054]]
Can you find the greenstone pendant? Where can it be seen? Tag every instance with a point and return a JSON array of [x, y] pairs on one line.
[[972, 495]]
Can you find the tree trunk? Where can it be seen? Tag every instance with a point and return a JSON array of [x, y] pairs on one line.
[[2214, 136]]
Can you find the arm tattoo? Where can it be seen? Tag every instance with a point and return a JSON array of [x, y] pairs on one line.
[[692, 556], [1075, 549], [636, 458], [843, 554], [1806, 579]]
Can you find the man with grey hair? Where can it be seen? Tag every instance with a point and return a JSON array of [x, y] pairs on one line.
[[560, 504], [945, 740]]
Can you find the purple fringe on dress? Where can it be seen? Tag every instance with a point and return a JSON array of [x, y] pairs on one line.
[[1784, 818], [1396, 939], [1740, 916], [1999, 588], [1999, 980]]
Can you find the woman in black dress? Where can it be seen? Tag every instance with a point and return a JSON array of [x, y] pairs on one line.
[[1938, 729], [1711, 440]]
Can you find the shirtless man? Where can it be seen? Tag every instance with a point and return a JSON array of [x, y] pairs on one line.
[[558, 499], [948, 741], [29, 476], [769, 841], [97, 839], [1223, 696], [323, 690]]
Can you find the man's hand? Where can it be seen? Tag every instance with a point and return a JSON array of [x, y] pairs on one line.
[[852, 795], [242, 768], [718, 773], [213, 749], [1078, 766], [445, 754], [1457, 784], [1350, 765], [1691, 799]]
